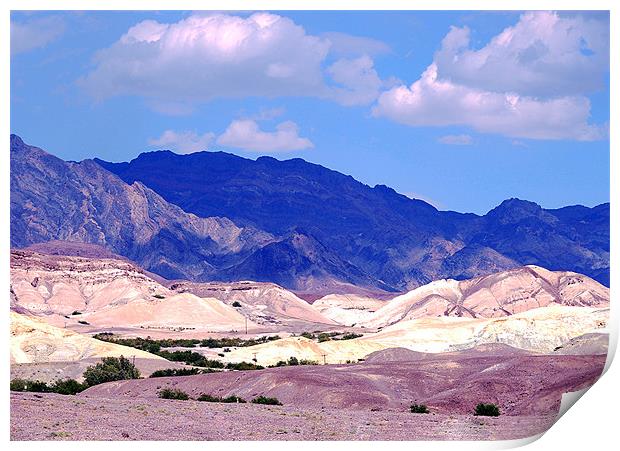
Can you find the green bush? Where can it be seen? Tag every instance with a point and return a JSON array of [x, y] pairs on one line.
[[244, 366], [62, 387], [28, 385], [419, 408], [173, 393], [351, 336], [191, 358], [487, 410], [110, 369], [168, 372], [294, 361], [67, 387], [229, 399], [265, 400]]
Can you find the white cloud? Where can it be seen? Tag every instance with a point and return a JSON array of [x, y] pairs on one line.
[[434, 102], [456, 140], [360, 83], [345, 45], [543, 55], [212, 56], [35, 33], [245, 134], [526, 83], [183, 142]]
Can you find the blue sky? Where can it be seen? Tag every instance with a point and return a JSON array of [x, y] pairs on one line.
[[462, 109]]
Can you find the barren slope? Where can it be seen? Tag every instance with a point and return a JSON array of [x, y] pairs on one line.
[[33, 340], [537, 330], [347, 309], [500, 294]]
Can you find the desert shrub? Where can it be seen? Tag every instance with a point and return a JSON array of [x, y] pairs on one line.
[[236, 304], [487, 410], [62, 387], [28, 385], [75, 312], [86, 323], [154, 346], [294, 361], [159, 296], [176, 372], [351, 336], [243, 366], [208, 398], [323, 337], [110, 369], [229, 399], [67, 387], [265, 400], [419, 408], [308, 335], [173, 393], [191, 358], [234, 399]]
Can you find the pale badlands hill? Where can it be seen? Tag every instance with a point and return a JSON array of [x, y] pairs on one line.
[[109, 293], [348, 309], [35, 341], [538, 330], [263, 303], [500, 294]]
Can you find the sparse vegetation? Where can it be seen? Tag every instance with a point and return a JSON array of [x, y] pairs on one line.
[[244, 366], [327, 336], [236, 304], [267, 401], [159, 296], [191, 358], [351, 336], [486, 410], [75, 312], [86, 323], [294, 361], [419, 408], [229, 399], [154, 346], [63, 387], [67, 387], [168, 372], [173, 393], [110, 369], [28, 385]]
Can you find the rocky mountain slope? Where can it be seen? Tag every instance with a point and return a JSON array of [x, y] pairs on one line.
[[56, 200], [402, 243], [215, 216]]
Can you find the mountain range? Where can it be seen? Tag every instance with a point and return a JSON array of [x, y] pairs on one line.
[[213, 216]]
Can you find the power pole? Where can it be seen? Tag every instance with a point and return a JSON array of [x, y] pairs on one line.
[[246, 325], [255, 360], [324, 360]]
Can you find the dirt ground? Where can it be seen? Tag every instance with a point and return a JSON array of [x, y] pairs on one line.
[[57, 417]]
